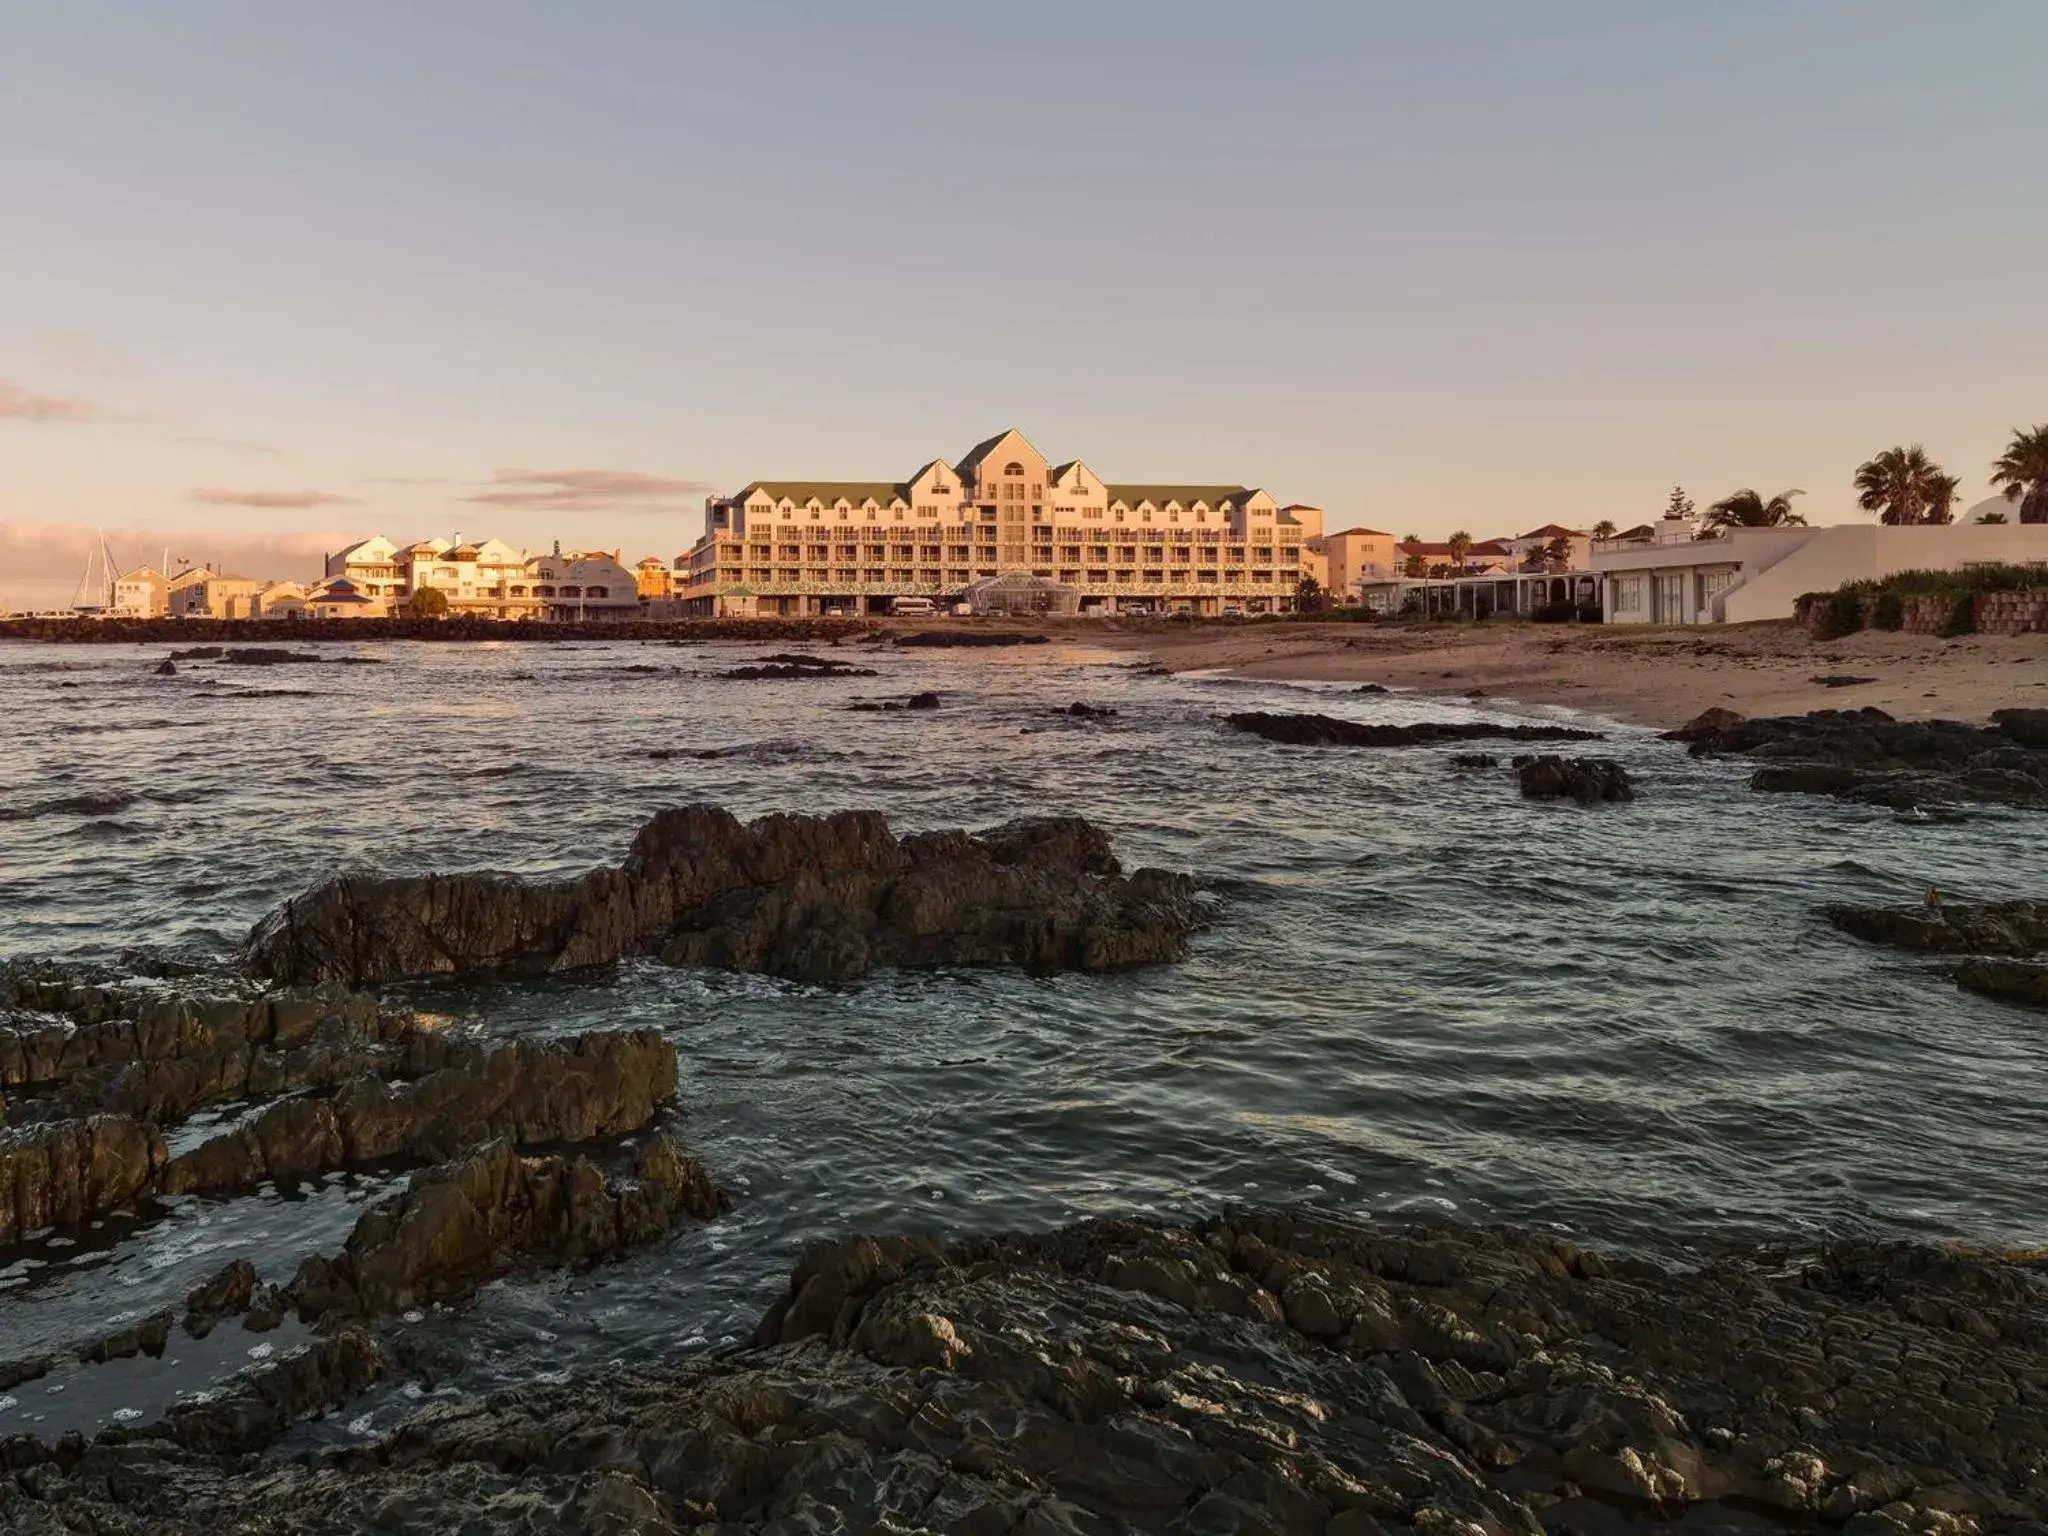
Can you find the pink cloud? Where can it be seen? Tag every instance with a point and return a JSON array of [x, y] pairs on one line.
[[586, 490], [269, 501], [40, 562], [18, 404]]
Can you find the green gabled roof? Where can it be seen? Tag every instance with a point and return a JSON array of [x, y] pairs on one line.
[[1186, 495], [983, 449], [828, 491]]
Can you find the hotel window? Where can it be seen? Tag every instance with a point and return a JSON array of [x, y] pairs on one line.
[[1119, 514], [1013, 469], [816, 515]]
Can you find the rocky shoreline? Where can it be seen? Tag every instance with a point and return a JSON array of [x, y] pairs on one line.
[[1260, 1371]]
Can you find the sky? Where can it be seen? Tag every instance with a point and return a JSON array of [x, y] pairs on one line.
[[275, 274]]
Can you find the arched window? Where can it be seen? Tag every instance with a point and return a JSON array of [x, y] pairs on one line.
[[1013, 468]]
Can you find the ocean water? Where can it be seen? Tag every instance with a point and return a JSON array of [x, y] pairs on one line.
[[1422, 995]]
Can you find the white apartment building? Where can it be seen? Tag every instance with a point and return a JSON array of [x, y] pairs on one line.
[[1673, 577], [799, 547], [489, 579]]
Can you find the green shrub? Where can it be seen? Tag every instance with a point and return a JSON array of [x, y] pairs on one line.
[[1841, 613], [1962, 616], [1559, 612], [1888, 612]]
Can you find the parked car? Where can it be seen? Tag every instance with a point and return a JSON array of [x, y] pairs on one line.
[[1233, 612]]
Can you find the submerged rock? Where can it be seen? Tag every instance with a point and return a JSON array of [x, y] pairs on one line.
[[1867, 756], [1474, 760], [926, 700], [1327, 731], [813, 898], [166, 668], [264, 656], [1588, 780], [1081, 711], [1271, 1372]]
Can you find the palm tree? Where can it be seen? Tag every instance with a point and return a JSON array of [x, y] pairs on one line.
[[1557, 555], [1941, 499], [1899, 485], [2023, 474], [1604, 529], [1460, 545], [1746, 509]]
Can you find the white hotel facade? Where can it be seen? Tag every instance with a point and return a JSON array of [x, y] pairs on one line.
[[806, 547]]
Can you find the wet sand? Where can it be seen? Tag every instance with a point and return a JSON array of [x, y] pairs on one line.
[[1659, 677]]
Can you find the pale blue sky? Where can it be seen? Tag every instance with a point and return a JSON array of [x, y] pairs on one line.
[[1430, 265]]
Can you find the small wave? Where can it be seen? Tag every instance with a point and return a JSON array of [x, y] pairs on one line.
[[95, 803], [265, 693]]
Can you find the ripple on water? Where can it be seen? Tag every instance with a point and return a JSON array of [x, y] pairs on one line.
[[1422, 995]]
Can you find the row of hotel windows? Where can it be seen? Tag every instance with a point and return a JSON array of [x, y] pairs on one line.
[[929, 511], [1099, 576], [1261, 554]]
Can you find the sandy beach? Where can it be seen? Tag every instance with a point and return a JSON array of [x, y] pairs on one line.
[[1659, 677]]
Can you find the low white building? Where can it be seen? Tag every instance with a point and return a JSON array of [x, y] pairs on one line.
[[1746, 574]]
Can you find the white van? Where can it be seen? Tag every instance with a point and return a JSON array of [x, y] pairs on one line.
[[913, 607]]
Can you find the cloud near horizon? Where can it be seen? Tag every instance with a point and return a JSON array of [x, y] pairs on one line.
[[43, 557], [269, 501], [19, 404], [586, 490]]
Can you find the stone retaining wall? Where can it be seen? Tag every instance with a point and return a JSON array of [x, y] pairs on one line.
[[1997, 613]]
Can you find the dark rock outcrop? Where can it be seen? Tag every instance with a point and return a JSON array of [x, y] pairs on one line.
[[812, 898], [529, 1091], [1867, 756], [1327, 731], [786, 665], [436, 1099], [70, 1171], [2027, 727], [938, 639], [462, 1223], [1264, 1372], [166, 668], [1588, 780], [225, 1295], [1083, 711], [265, 656], [1474, 760], [1999, 936], [1936, 927], [197, 653], [157, 1057], [2010, 981], [1841, 680], [926, 700]]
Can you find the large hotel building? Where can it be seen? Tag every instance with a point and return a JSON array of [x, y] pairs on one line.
[[809, 546]]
